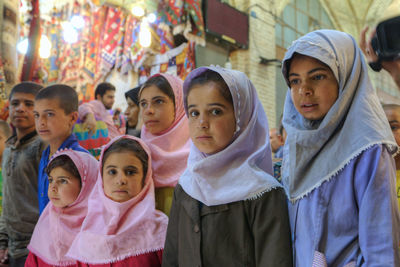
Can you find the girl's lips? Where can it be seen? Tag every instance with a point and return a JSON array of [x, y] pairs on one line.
[[203, 137], [309, 107], [151, 122]]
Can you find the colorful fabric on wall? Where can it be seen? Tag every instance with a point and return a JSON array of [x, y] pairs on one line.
[[126, 60], [90, 67], [110, 39], [9, 38], [32, 56], [194, 30]]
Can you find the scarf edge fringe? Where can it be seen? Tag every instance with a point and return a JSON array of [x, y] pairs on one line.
[[119, 258], [392, 146]]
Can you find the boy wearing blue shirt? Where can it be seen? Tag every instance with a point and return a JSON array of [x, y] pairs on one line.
[[55, 111]]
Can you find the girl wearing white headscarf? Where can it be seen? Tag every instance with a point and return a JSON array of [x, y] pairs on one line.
[[338, 169], [228, 209]]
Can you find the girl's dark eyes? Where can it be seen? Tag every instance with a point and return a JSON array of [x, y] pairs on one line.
[[63, 181], [36, 115], [50, 180], [112, 172], [216, 112], [319, 77], [159, 101], [131, 172], [294, 81], [193, 113], [143, 104]]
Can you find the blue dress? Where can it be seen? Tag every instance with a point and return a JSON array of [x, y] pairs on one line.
[[43, 182], [352, 219]]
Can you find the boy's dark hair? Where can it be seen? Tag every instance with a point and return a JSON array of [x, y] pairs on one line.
[[26, 88], [5, 128], [211, 76], [161, 83], [102, 89], [66, 95], [66, 164], [128, 145]]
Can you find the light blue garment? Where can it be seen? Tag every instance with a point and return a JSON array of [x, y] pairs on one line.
[[317, 150], [353, 217]]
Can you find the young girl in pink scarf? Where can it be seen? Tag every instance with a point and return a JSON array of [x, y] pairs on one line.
[[228, 209], [72, 175], [165, 131], [122, 227]]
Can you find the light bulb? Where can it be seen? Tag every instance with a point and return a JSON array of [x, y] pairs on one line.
[[78, 22], [45, 47], [144, 35], [22, 46], [70, 34], [151, 18], [138, 11]]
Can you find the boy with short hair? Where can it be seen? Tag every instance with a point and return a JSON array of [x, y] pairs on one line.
[[56, 111], [97, 109], [392, 112], [20, 163]]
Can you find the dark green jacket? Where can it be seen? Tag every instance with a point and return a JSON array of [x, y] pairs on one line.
[[244, 233], [20, 185]]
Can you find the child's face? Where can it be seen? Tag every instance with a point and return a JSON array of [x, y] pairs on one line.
[[158, 110], [314, 88], [122, 176], [212, 121], [131, 112], [64, 188], [52, 124], [21, 111], [393, 116]]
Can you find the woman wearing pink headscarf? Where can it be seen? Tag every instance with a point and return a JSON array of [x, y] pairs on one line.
[[165, 130], [122, 227], [72, 175]]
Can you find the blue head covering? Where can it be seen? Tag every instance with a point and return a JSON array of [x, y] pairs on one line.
[[317, 150]]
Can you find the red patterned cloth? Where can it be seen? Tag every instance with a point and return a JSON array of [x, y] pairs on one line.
[[110, 39]]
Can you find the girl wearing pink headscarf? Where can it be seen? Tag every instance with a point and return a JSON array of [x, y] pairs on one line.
[[165, 131], [122, 227], [72, 175]]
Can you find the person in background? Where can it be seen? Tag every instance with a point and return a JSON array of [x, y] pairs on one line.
[[5, 133], [119, 120], [132, 112], [20, 164], [72, 176], [122, 227], [276, 141], [56, 111], [98, 110], [228, 209], [165, 131], [392, 112], [338, 170]]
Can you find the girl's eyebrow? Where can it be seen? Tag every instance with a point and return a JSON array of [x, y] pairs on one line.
[[110, 166], [309, 72], [132, 166], [217, 104], [210, 104], [64, 177]]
